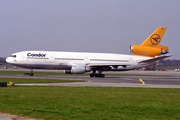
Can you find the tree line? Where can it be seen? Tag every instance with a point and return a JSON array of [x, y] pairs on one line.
[[2, 60], [168, 62]]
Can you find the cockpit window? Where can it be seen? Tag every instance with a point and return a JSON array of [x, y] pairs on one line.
[[14, 56]]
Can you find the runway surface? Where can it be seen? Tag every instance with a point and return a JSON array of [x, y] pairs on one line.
[[173, 81]]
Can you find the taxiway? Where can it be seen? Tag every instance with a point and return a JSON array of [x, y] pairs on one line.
[[157, 81]]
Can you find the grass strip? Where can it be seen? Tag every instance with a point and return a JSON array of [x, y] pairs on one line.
[[91, 103], [32, 80], [63, 74]]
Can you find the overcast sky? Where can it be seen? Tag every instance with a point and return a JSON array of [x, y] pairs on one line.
[[108, 26]]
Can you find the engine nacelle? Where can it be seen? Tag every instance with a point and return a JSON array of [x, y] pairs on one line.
[[76, 69], [148, 51]]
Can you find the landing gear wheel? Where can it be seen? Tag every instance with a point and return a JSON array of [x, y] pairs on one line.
[[102, 75], [99, 75], [31, 74], [92, 75]]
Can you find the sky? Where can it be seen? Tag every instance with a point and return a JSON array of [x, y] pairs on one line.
[[103, 26]]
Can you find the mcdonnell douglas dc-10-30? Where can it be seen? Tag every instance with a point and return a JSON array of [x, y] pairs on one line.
[[145, 55]]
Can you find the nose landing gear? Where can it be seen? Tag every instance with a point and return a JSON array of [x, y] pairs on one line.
[[30, 74]]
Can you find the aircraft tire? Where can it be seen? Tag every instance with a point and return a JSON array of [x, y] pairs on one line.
[[92, 75], [99, 75], [102, 75], [31, 74]]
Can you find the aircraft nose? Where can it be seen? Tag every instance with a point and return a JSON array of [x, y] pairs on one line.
[[8, 60]]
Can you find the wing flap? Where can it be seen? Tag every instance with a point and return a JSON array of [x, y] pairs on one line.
[[155, 59]]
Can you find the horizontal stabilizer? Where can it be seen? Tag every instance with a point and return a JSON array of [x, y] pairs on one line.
[[155, 59]]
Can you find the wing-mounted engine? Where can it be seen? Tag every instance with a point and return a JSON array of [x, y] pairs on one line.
[[148, 51], [77, 68]]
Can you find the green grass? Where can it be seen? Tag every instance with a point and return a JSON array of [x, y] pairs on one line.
[[91, 103], [63, 74], [30, 80]]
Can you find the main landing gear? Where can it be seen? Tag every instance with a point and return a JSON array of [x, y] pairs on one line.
[[97, 75]]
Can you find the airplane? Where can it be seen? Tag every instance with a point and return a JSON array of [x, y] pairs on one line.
[[147, 54]]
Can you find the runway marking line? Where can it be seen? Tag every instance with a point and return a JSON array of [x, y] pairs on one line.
[[141, 81]]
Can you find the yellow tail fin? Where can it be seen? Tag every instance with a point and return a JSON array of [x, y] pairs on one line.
[[150, 47], [155, 38]]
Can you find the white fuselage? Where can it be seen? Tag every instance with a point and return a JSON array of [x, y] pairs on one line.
[[65, 60]]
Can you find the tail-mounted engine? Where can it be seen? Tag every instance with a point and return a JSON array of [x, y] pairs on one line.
[[148, 51], [151, 46]]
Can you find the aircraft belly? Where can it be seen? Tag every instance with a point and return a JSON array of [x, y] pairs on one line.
[[44, 66]]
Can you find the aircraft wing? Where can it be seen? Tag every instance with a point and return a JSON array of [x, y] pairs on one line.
[[155, 59], [108, 64]]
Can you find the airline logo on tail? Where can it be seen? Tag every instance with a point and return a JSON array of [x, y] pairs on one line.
[[155, 39], [150, 47]]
